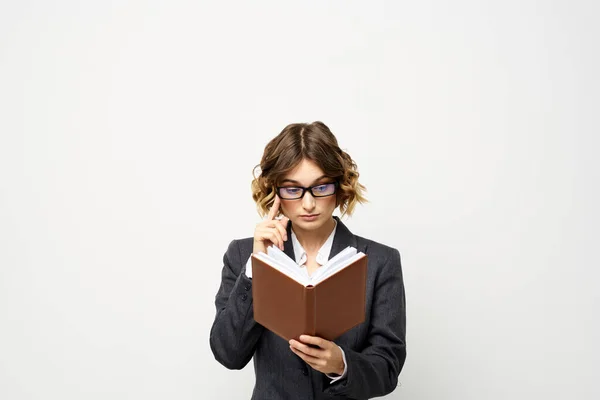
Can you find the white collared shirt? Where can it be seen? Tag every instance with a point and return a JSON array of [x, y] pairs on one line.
[[301, 258], [322, 254]]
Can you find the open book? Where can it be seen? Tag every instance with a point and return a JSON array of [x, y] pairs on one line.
[[326, 304]]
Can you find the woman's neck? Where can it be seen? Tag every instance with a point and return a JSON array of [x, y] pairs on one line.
[[312, 241]]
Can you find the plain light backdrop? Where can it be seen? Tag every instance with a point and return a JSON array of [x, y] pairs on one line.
[[128, 135]]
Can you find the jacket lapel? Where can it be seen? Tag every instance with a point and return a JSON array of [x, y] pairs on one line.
[[342, 238], [288, 246]]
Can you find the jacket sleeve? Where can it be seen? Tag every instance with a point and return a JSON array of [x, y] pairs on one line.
[[374, 371], [234, 332]]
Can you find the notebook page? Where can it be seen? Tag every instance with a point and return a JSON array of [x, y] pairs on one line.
[[340, 257], [347, 252], [337, 267], [290, 271], [280, 256]]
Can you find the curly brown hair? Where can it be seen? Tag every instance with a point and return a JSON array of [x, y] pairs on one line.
[[313, 142]]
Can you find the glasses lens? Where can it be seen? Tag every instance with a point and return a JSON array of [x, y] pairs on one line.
[[290, 192], [326, 189]]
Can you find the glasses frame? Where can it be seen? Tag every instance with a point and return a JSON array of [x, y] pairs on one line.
[[309, 189]]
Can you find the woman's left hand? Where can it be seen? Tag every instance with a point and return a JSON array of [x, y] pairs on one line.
[[327, 358]]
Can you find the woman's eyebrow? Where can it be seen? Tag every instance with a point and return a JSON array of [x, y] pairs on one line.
[[298, 183]]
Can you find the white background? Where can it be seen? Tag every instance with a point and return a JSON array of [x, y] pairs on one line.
[[129, 131]]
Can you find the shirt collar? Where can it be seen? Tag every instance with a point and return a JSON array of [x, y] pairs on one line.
[[322, 254]]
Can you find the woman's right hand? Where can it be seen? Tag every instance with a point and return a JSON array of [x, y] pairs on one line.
[[271, 230]]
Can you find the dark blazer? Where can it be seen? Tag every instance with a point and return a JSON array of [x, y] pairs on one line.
[[375, 350]]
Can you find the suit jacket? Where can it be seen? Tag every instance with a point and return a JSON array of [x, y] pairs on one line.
[[375, 350]]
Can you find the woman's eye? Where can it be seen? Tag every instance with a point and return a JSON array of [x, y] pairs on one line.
[[321, 188], [292, 190]]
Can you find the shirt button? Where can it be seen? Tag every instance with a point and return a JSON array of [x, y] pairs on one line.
[[304, 371], [247, 287], [244, 297]]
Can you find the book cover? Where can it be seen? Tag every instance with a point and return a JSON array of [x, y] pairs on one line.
[[328, 304]]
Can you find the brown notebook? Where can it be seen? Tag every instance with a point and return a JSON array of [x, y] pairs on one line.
[[329, 304]]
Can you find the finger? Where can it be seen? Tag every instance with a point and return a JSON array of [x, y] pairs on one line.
[[269, 234], [306, 349], [322, 343], [284, 222], [274, 208], [274, 236], [313, 361], [282, 230], [267, 230]]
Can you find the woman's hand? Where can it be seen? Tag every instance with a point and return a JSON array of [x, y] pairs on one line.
[[271, 230], [326, 358]]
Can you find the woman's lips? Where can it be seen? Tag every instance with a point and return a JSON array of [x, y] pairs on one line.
[[309, 217]]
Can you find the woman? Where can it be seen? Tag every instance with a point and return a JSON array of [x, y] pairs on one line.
[[304, 176]]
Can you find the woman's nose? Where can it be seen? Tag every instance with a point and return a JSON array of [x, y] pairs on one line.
[[308, 201]]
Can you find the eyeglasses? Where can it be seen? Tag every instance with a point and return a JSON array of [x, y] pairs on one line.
[[297, 192]]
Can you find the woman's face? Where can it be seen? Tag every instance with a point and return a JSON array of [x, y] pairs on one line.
[[308, 212]]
